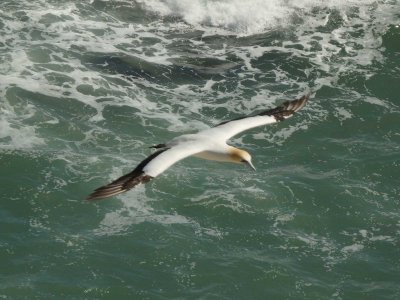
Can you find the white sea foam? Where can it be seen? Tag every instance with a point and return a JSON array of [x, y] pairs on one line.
[[353, 248], [14, 135], [135, 210], [241, 17]]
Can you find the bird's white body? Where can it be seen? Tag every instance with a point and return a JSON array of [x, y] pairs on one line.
[[210, 144], [206, 143]]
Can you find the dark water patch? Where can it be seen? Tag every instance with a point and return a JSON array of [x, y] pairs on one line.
[[391, 39], [67, 108], [384, 86], [137, 68], [123, 11], [53, 118]]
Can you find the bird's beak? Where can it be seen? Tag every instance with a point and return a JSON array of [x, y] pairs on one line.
[[250, 165]]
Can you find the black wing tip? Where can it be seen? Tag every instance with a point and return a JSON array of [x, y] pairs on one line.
[[102, 194], [125, 182], [285, 110], [288, 108], [297, 104], [116, 187]]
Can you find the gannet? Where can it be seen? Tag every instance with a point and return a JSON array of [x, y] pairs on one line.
[[208, 144]]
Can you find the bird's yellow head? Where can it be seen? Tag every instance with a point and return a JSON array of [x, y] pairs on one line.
[[241, 157]]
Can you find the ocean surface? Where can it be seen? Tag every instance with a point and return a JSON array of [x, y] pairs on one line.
[[87, 86]]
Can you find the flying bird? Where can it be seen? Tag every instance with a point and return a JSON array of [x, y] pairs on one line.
[[208, 144]]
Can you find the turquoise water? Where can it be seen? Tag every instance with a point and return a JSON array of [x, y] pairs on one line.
[[87, 86]]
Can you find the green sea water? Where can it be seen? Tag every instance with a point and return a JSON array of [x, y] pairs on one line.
[[87, 86]]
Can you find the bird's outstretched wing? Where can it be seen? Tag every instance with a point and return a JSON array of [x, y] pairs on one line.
[[149, 168], [228, 129]]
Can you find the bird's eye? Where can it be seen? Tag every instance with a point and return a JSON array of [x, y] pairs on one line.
[[243, 161]]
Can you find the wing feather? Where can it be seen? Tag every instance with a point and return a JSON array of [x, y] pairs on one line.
[[149, 168], [229, 129]]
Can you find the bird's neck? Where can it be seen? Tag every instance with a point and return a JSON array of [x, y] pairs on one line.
[[229, 154]]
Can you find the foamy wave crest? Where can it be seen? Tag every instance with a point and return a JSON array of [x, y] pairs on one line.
[[17, 137], [240, 17]]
